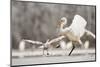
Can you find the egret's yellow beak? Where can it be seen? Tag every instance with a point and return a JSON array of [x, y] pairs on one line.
[[60, 23]]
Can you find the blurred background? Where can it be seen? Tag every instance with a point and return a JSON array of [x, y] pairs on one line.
[[38, 21]]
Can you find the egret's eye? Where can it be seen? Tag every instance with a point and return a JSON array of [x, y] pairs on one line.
[[62, 20]]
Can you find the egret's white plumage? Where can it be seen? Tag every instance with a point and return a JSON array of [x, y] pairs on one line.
[[75, 31], [63, 44], [78, 26], [69, 45]]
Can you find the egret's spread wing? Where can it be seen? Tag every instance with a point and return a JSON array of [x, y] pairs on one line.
[[78, 25], [34, 42]]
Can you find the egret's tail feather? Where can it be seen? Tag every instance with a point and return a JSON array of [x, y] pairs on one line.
[[90, 33]]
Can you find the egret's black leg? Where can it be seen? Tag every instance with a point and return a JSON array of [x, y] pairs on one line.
[[71, 50]]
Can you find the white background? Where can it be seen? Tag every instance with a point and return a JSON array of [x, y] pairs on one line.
[[5, 33]]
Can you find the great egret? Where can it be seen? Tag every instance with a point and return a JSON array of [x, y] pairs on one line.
[[75, 31]]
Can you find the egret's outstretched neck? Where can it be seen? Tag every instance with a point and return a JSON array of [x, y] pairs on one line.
[[63, 22], [61, 27]]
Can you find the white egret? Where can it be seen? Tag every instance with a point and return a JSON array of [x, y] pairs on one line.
[[75, 31]]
